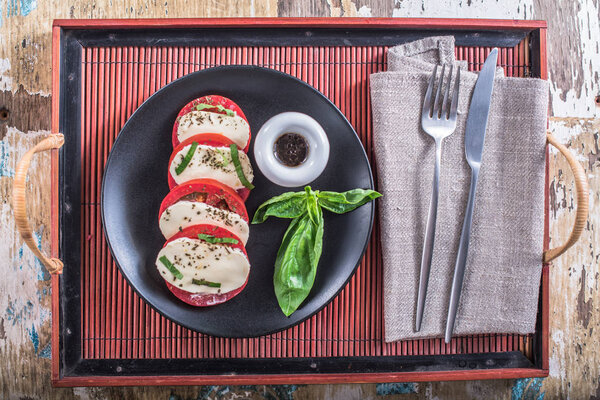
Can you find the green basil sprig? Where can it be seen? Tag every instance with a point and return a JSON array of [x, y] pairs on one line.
[[167, 263], [214, 239], [287, 205], [341, 203], [219, 107], [186, 160], [204, 282], [238, 167], [302, 244]]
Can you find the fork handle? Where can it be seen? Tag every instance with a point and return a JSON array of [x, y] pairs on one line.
[[429, 238], [461, 259]]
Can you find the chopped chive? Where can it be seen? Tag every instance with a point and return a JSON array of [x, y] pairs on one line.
[[238, 167], [186, 159], [214, 239], [203, 106], [204, 282], [225, 160], [171, 267], [219, 107]]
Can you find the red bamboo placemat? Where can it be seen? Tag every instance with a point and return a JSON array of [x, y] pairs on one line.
[[117, 324]]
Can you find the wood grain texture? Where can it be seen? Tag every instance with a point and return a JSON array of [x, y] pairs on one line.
[[573, 55], [574, 61], [574, 34], [23, 111]]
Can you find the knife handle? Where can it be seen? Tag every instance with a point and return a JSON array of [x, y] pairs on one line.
[[461, 259]]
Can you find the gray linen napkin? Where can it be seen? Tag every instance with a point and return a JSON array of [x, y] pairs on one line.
[[501, 286]]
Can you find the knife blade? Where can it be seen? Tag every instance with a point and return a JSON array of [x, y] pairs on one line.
[[479, 110], [475, 129]]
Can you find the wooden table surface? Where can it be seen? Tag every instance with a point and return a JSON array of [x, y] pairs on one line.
[[573, 64]]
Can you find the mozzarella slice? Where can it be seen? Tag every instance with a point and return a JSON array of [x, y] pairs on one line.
[[197, 259], [187, 213], [234, 128], [211, 162]]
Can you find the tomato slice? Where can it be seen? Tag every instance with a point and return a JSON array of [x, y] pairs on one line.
[[209, 139], [214, 193], [205, 300], [193, 231], [212, 99], [243, 193]]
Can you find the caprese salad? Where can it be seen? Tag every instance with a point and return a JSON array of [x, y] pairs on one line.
[[204, 218], [214, 114], [204, 265], [203, 202]]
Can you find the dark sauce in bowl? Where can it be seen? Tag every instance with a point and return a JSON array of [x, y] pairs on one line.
[[291, 149]]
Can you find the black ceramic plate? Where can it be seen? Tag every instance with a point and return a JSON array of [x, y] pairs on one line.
[[135, 182]]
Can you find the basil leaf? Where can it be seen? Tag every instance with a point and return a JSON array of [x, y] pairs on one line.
[[167, 263], [186, 160], [286, 205], [311, 204], [204, 282], [219, 107], [297, 260], [238, 167], [300, 250], [341, 203], [214, 239], [225, 159]]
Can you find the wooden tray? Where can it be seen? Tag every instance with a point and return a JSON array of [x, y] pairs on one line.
[[104, 334]]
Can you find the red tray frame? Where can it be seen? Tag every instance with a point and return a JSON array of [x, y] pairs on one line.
[[59, 378]]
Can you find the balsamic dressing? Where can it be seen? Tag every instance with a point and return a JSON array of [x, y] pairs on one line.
[[291, 149]]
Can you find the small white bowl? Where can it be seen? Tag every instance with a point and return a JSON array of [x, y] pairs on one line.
[[318, 149]]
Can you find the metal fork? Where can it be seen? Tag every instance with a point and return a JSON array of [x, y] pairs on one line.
[[438, 122]]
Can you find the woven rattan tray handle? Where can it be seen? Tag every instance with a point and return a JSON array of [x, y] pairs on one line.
[[54, 265], [581, 186]]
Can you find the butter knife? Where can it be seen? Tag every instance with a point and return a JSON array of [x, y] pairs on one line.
[[474, 138]]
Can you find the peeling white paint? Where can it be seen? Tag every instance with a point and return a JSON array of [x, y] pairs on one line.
[[82, 393], [556, 369], [6, 82], [39, 93], [589, 34], [429, 392], [566, 132], [556, 364], [516, 9], [562, 131], [364, 11]]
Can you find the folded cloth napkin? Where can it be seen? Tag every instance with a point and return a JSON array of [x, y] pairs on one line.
[[501, 285]]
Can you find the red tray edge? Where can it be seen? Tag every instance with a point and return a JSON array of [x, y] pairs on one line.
[[264, 22], [507, 373]]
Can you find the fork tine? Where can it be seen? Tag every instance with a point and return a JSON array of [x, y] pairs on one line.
[[445, 112], [427, 102], [454, 103], [436, 104]]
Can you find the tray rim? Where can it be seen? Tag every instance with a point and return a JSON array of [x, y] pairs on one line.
[[306, 379], [60, 375], [300, 22]]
